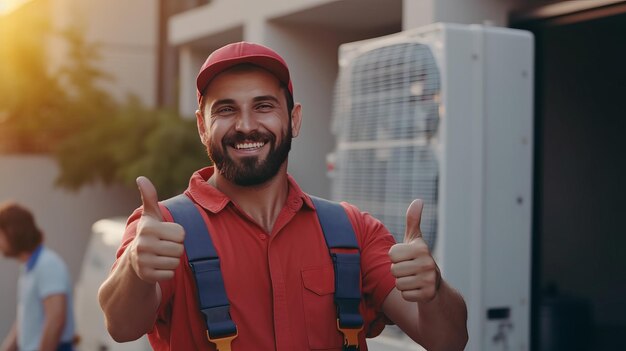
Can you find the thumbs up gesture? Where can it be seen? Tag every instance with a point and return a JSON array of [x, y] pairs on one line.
[[417, 275], [155, 252]]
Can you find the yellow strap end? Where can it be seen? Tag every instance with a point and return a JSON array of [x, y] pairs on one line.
[[350, 335], [222, 344]]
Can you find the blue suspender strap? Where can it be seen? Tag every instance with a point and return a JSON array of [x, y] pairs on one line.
[[339, 234], [205, 265]]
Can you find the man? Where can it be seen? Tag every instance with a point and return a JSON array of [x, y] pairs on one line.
[[45, 320], [275, 264]]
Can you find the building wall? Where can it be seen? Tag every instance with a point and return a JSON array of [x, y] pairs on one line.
[[126, 34], [64, 217]]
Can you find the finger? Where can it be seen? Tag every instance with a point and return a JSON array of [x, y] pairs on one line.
[[403, 269], [169, 249], [418, 295], [418, 266], [413, 220], [159, 275], [161, 262], [409, 283], [409, 251], [169, 231], [149, 198]]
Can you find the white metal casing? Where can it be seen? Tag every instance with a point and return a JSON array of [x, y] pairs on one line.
[[483, 147]]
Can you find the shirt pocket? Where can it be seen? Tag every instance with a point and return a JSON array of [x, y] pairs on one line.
[[318, 287]]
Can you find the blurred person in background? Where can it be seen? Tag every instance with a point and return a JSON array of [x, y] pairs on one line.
[[275, 264], [45, 320]]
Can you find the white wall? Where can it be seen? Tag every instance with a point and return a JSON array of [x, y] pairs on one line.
[[313, 70], [220, 15], [64, 217], [126, 33], [423, 12]]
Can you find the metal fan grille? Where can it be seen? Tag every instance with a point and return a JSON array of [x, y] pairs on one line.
[[385, 118]]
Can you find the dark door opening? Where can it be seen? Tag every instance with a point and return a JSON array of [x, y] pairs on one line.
[[579, 239]]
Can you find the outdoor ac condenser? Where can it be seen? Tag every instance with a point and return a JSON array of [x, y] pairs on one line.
[[444, 113]]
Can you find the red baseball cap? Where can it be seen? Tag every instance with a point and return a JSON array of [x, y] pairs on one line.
[[242, 52]]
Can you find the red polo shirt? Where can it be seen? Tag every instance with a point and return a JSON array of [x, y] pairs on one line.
[[280, 284]]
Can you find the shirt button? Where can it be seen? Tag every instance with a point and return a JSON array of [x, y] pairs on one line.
[[262, 236]]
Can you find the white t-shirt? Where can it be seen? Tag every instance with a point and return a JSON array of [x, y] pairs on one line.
[[48, 276]]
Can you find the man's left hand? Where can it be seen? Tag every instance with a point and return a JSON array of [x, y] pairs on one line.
[[417, 275]]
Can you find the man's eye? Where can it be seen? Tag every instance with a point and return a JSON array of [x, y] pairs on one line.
[[265, 106], [225, 109]]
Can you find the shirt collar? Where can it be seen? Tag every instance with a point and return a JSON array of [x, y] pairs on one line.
[[214, 200], [32, 260]]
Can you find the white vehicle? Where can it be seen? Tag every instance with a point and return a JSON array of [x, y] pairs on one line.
[[106, 237]]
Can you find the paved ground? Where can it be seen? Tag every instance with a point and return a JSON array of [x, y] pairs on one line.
[[392, 339], [386, 344]]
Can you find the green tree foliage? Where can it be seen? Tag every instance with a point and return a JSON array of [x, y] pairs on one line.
[[32, 99], [135, 141], [67, 114]]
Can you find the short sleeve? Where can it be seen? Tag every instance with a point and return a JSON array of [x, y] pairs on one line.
[[52, 276]]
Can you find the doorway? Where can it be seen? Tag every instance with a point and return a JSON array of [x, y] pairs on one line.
[[579, 235]]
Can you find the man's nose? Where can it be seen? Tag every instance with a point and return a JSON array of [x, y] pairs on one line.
[[246, 122]]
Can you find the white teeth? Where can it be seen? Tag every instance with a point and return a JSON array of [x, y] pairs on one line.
[[249, 146]]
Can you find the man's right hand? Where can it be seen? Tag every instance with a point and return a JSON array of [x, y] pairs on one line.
[[155, 252]]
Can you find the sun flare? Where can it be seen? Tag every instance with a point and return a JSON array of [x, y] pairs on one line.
[[6, 6]]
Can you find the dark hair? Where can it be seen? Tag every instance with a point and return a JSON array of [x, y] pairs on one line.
[[18, 225], [289, 98]]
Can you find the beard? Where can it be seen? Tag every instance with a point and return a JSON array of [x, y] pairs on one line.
[[250, 170]]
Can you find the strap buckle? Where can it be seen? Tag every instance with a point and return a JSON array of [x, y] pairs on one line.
[[222, 343], [350, 335]]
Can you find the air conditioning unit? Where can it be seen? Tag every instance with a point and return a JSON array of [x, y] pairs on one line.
[[445, 113]]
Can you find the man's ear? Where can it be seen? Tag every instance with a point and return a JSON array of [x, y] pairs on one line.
[[202, 130], [296, 119]]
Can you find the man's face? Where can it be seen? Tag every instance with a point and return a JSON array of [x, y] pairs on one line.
[[246, 127]]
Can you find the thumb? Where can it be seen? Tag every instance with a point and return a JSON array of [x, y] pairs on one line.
[[413, 219], [149, 198]]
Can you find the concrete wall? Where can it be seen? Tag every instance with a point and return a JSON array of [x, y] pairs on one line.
[[419, 13], [64, 217], [126, 34]]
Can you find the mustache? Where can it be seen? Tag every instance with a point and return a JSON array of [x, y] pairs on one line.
[[255, 136]]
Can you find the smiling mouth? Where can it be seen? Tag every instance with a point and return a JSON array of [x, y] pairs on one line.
[[249, 146]]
